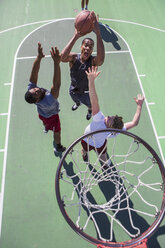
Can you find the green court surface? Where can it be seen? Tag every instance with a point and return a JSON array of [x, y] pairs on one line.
[[134, 63]]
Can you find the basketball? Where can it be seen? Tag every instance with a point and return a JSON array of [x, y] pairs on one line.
[[84, 21]]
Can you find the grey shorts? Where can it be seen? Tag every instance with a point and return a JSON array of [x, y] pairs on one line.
[[81, 98]]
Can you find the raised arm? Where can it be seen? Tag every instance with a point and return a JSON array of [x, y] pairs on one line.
[[139, 101], [55, 89], [99, 59], [36, 65], [92, 74], [66, 55]]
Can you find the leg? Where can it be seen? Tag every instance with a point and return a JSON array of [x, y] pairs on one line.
[[104, 157], [89, 113], [85, 99], [57, 138], [105, 163], [75, 98], [57, 142], [84, 155], [82, 4], [86, 6], [53, 123], [84, 150], [57, 135]]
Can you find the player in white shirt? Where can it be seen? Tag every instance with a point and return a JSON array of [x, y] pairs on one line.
[[101, 122]]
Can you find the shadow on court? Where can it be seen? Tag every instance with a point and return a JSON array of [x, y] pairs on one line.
[[123, 216], [153, 243], [109, 36], [100, 218]]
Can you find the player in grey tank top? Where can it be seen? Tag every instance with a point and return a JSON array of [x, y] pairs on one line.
[[46, 102]]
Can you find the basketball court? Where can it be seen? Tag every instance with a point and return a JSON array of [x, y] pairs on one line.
[[30, 215]]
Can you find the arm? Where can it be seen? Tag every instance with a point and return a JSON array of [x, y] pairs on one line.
[[36, 65], [57, 72], [92, 75], [139, 101], [99, 59], [66, 55]]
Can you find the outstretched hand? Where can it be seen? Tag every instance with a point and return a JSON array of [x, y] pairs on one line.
[[139, 100], [40, 51], [92, 73], [55, 54]]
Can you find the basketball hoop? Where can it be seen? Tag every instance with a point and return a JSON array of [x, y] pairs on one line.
[[114, 202]]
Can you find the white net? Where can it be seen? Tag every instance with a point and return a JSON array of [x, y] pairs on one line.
[[114, 197]]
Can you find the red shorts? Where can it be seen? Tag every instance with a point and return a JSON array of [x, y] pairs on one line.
[[51, 123], [99, 150]]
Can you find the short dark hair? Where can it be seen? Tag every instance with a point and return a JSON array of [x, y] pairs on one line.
[[87, 39], [29, 97], [118, 122]]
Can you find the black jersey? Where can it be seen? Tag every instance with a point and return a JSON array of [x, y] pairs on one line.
[[79, 80]]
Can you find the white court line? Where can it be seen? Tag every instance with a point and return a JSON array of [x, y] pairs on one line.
[[2, 150], [161, 137], [134, 23], [31, 57], [71, 18], [127, 51], [151, 103], [6, 84], [142, 75], [12, 87], [7, 129], [24, 25], [3, 113], [48, 56], [6, 146], [111, 52], [148, 109]]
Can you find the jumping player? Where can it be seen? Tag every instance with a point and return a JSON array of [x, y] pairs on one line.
[[46, 102], [79, 63], [102, 122]]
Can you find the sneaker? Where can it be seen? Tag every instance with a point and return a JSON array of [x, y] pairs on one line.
[[75, 106], [59, 148], [89, 115], [45, 131]]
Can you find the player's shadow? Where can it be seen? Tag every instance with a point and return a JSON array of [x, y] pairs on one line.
[[152, 242], [123, 216], [108, 189], [100, 218], [109, 36]]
